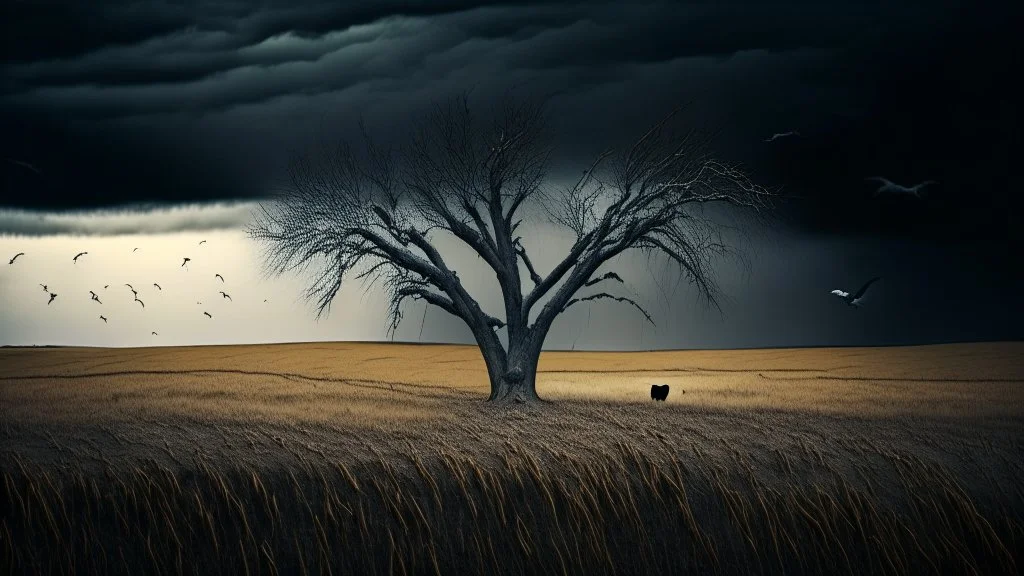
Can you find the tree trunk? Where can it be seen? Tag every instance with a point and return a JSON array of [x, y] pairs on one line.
[[515, 379]]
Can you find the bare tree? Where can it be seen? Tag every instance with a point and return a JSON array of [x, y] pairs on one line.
[[373, 215]]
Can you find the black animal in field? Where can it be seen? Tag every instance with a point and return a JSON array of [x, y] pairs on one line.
[[659, 392]]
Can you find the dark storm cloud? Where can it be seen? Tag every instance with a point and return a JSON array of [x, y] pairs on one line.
[[133, 101], [60, 29], [214, 61]]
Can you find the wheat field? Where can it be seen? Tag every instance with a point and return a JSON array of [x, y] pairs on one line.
[[384, 458]]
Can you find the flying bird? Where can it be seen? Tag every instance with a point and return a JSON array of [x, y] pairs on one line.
[[135, 294], [52, 296], [105, 286], [134, 249], [77, 256], [104, 318], [158, 287], [226, 295], [778, 135], [16, 257], [130, 286], [201, 242], [208, 315], [185, 261], [95, 297], [24, 164], [219, 276], [889, 187], [855, 299], [91, 293], [141, 302], [45, 288], [155, 334]]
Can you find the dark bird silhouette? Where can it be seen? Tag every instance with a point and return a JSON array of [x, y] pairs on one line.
[[778, 135], [264, 299], [219, 276], [45, 288], [95, 297], [104, 318], [226, 295], [16, 257], [158, 287], [91, 293], [208, 315], [855, 299], [135, 294], [77, 256], [130, 286], [52, 296], [134, 249], [889, 187], [24, 165], [155, 334], [201, 242], [105, 286], [141, 302], [185, 261], [659, 392]]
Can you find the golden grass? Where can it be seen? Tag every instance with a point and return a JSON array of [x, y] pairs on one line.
[[365, 382], [369, 458]]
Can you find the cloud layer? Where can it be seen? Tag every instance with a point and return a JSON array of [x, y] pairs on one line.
[[123, 221]]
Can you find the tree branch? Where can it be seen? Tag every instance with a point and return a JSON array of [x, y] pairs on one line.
[[521, 250], [605, 295], [608, 276]]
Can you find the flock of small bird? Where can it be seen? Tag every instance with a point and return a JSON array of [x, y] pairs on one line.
[[135, 294], [886, 186]]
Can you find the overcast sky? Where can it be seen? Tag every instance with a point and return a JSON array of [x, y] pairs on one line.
[[159, 124]]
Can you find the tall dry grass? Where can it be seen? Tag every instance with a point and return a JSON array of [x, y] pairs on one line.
[[541, 511], [372, 459]]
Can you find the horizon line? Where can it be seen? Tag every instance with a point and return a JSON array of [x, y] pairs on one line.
[[415, 343]]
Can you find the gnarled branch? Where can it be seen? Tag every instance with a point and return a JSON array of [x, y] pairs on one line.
[[605, 295], [521, 251], [607, 276]]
